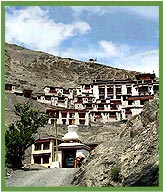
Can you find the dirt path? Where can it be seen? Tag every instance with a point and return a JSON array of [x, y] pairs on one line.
[[47, 177]]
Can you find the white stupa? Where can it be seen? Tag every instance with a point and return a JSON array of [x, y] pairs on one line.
[[71, 138], [72, 134]]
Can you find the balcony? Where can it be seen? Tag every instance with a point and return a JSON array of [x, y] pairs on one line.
[[66, 92], [52, 91], [113, 108], [128, 112], [61, 101], [100, 108], [89, 108], [113, 116], [103, 101], [80, 101], [116, 102]]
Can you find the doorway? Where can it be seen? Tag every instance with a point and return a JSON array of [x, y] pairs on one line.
[[68, 158]]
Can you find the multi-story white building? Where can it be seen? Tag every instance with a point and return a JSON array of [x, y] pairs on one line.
[[56, 96], [43, 152], [65, 117], [111, 100]]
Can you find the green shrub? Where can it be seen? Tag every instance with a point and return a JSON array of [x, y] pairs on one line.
[[115, 171]]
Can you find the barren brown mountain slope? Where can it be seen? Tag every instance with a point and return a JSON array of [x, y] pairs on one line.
[[35, 69]]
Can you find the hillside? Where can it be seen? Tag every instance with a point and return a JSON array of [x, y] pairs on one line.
[[35, 69], [127, 154], [130, 158], [132, 147]]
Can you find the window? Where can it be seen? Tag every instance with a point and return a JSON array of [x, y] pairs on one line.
[[118, 90], [118, 97], [128, 90], [102, 97], [45, 159], [8, 87], [89, 105], [87, 86], [101, 90], [124, 98], [46, 146], [128, 111], [110, 90], [81, 121], [47, 98], [130, 102], [143, 89], [81, 115], [37, 146], [52, 121], [112, 115], [71, 115], [37, 160], [113, 107], [64, 121], [70, 121], [64, 115], [57, 114], [142, 102], [101, 106], [80, 99], [155, 88]]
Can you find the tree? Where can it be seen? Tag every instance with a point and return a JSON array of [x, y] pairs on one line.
[[20, 135]]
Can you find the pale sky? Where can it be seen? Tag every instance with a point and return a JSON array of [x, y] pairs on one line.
[[118, 36]]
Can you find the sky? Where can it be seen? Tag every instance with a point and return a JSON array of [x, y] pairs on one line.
[[125, 37]]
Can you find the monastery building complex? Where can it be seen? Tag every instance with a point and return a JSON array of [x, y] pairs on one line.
[[101, 101]]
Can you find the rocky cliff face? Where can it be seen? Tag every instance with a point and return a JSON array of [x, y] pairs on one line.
[[34, 69], [128, 159]]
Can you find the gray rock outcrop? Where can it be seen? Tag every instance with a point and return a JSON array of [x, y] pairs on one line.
[[128, 159]]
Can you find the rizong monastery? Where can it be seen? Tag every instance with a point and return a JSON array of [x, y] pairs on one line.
[[101, 101]]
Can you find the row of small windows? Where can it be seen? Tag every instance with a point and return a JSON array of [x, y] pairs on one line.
[[45, 159], [45, 146], [64, 121], [102, 106]]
